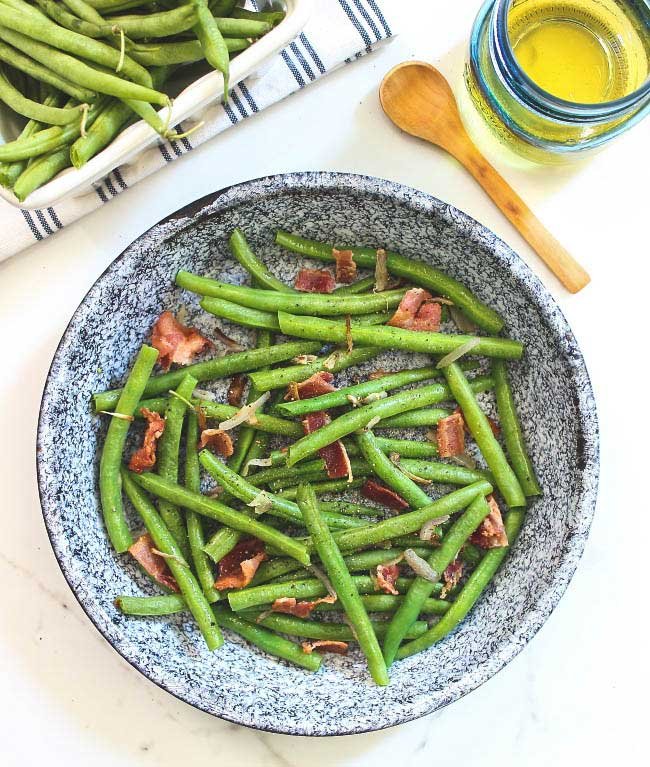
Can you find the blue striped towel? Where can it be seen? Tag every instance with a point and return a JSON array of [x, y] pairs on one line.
[[338, 32]]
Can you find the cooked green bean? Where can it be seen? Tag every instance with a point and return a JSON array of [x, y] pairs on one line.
[[222, 543], [321, 488], [480, 428], [470, 592], [360, 286], [354, 509], [242, 252], [187, 583], [110, 482], [207, 507], [389, 337], [219, 367], [34, 110], [421, 589], [161, 604], [415, 271], [512, 432], [181, 52], [445, 473], [404, 447], [337, 632], [426, 416], [388, 603], [306, 471], [333, 363], [297, 303]]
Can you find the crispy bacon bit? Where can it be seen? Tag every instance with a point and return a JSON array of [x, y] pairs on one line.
[[319, 383], [237, 568], [227, 341], [381, 271], [337, 461], [450, 435], [325, 645], [346, 269], [387, 576], [303, 609], [417, 311], [452, 575], [143, 552], [428, 317], [348, 333], [202, 418], [145, 456], [491, 533], [384, 495], [313, 421], [314, 281], [236, 390], [219, 441], [175, 342], [379, 373]]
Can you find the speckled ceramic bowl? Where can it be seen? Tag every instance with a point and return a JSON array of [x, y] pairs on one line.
[[552, 389]]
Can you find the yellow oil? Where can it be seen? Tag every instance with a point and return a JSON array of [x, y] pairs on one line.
[[583, 51]]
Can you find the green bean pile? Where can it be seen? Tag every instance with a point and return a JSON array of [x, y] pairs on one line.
[[78, 72], [271, 486]]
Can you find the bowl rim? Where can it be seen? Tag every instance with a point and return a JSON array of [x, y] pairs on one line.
[[588, 476]]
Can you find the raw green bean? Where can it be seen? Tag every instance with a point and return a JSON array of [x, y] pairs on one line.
[[334, 363], [389, 337], [470, 592], [414, 271], [360, 286], [70, 21], [40, 171], [297, 303], [110, 483], [194, 524], [33, 110], [480, 428], [107, 125], [44, 74], [336, 632], [187, 583], [238, 520], [242, 252], [343, 583], [321, 488], [421, 589], [220, 367], [512, 432], [169, 23], [181, 52], [212, 42], [273, 17], [85, 11], [243, 490], [388, 603]]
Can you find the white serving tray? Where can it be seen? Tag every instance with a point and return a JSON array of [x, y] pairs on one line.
[[190, 102]]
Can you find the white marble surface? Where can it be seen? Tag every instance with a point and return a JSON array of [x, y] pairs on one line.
[[576, 694]]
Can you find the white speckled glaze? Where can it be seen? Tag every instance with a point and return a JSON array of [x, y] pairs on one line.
[[552, 389]]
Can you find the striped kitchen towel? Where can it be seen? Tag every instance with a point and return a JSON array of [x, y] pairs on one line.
[[338, 32]]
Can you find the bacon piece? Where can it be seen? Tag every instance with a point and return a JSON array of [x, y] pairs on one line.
[[450, 435], [384, 495], [451, 576], [236, 390], [346, 269], [496, 429], [314, 281], [319, 383], [175, 342], [291, 606], [408, 308], [237, 568], [325, 645], [349, 341], [218, 440], [316, 420], [152, 563], [387, 576], [337, 461], [428, 317], [145, 456], [491, 533]]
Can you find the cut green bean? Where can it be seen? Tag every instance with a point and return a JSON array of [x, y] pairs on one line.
[[329, 486], [421, 589], [406, 448], [388, 603], [415, 419], [470, 592], [242, 252], [360, 286], [110, 482], [161, 604], [414, 271], [336, 632]]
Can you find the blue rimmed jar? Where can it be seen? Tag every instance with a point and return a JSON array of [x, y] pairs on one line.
[[528, 119]]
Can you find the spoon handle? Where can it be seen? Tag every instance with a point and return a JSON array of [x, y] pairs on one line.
[[554, 255]]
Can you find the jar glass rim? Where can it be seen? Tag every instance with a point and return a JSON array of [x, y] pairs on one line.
[[553, 104]]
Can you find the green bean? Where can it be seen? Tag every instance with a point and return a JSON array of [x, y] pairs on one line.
[[334, 363], [360, 286], [364, 560], [343, 583], [280, 507], [85, 11], [169, 23], [421, 589], [415, 419], [321, 488], [345, 507], [70, 21], [110, 484], [44, 74], [386, 470], [182, 52], [180, 496], [212, 42], [195, 535], [470, 592], [406, 448], [298, 303], [389, 337], [305, 470], [107, 125], [241, 250], [512, 432], [388, 603], [445, 473], [161, 604], [109, 6], [414, 271], [336, 632], [480, 428], [187, 583], [219, 367], [222, 543], [33, 110], [40, 171], [267, 641], [42, 29], [273, 17]]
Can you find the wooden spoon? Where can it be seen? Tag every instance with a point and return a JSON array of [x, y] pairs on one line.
[[418, 99]]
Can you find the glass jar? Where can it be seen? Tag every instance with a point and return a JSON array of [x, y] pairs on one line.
[[532, 121]]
